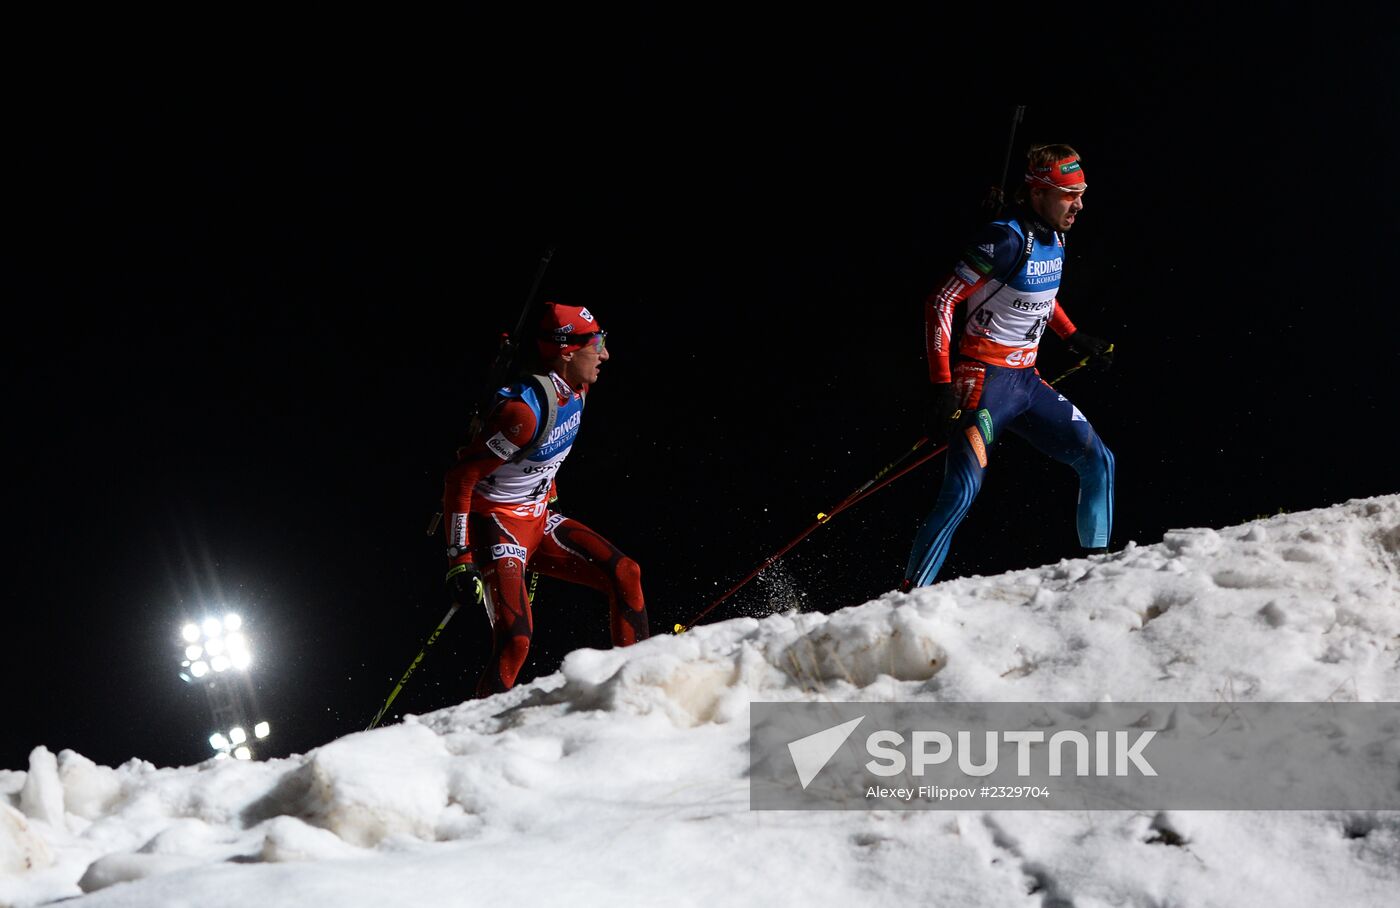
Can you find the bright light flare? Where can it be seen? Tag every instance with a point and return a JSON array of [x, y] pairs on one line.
[[213, 627], [262, 730], [215, 646], [243, 753], [218, 741], [193, 651], [232, 622], [238, 652], [237, 735], [199, 669], [190, 633], [220, 663]]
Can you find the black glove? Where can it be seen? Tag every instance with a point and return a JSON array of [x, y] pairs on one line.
[[464, 584], [942, 412], [1098, 350]]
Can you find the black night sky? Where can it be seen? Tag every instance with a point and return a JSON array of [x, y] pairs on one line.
[[248, 311]]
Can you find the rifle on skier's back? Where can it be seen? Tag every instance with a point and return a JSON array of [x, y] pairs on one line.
[[995, 202], [503, 367]]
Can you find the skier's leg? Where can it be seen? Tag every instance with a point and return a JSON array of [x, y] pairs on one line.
[[501, 548], [1056, 428], [571, 551], [987, 395], [962, 479]]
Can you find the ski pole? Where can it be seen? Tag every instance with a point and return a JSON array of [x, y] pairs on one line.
[[874, 484], [412, 665], [1077, 366]]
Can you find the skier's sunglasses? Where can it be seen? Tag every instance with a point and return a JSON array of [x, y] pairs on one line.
[[597, 339]]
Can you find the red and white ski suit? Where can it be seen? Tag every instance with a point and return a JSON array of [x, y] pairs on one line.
[[498, 518]]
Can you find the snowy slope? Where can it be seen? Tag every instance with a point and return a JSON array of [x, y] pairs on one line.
[[621, 779]]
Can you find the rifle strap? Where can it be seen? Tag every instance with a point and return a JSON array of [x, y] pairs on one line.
[[549, 415]]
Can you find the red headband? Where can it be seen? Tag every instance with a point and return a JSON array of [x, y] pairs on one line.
[[1062, 174]]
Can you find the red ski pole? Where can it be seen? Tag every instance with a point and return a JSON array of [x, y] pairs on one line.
[[870, 487]]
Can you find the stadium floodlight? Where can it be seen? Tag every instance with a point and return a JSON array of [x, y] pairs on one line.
[[212, 646], [217, 644], [235, 742]]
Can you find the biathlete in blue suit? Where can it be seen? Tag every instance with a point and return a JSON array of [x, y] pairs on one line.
[[1008, 278]]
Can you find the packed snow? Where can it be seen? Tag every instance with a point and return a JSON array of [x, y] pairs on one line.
[[622, 778]]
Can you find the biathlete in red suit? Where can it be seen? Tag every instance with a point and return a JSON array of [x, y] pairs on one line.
[[496, 500]]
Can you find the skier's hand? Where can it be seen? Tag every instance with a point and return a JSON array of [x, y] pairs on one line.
[[1098, 350], [464, 584], [941, 413]]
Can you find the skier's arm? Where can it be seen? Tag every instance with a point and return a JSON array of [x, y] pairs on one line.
[[938, 324], [1060, 323], [1094, 349], [509, 427], [991, 255]]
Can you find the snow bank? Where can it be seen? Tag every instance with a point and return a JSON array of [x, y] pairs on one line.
[[621, 779]]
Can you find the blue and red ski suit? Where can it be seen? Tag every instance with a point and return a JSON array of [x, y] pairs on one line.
[[1009, 278]]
